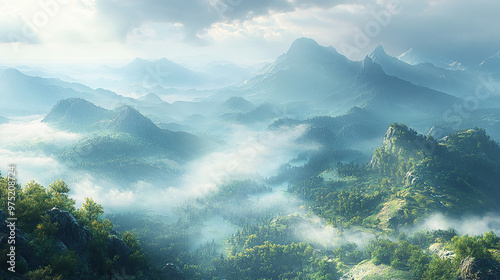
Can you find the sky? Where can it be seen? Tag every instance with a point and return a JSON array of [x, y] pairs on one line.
[[243, 31]]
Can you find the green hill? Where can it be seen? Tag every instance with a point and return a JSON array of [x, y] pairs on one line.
[[121, 143], [408, 177]]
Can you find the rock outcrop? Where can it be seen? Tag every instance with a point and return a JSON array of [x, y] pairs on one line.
[[479, 269], [69, 232], [118, 247]]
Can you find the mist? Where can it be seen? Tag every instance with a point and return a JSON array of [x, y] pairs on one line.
[[467, 224], [209, 165]]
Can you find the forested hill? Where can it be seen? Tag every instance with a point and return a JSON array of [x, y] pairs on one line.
[[408, 177], [55, 240]]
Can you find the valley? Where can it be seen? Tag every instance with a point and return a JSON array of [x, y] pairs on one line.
[[314, 166]]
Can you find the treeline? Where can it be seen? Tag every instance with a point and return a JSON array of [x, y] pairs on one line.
[[445, 261], [56, 240]]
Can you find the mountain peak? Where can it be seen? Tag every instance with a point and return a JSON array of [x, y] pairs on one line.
[[237, 103], [74, 114], [151, 98], [139, 60], [164, 60], [309, 49], [379, 55], [415, 56], [12, 73], [130, 120], [378, 51], [303, 45]]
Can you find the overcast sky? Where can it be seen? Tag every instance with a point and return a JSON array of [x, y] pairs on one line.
[[243, 31]]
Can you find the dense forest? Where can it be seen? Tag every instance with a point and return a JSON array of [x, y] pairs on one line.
[[409, 177]]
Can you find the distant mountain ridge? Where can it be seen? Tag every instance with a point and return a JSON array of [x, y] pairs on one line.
[[126, 144], [21, 93], [491, 64], [79, 115], [27, 95], [457, 83], [159, 72], [414, 57], [384, 93], [319, 75], [75, 114], [307, 70]]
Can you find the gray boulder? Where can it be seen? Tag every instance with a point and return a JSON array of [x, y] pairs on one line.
[[69, 231], [118, 247], [479, 269]]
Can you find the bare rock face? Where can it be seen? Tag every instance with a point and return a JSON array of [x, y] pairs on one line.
[[479, 269], [118, 247], [69, 232]]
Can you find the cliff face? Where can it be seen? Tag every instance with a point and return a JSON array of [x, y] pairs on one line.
[[401, 143], [69, 232]]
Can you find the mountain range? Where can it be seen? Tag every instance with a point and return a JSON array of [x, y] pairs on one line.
[[491, 64], [123, 140], [415, 57], [27, 95], [160, 72], [457, 83], [332, 84], [307, 73]]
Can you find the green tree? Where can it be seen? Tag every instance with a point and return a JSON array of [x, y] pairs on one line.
[[45, 273], [44, 241], [402, 254], [418, 263], [59, 192], [440, 269], [89, 212], [65, 263], [137, 257], [327, 270], [381, 250], [491, 240], [90, 215], [470, 246]]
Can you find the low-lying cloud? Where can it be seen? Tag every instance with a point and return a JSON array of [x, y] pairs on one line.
[[471, 225], [27, 144], [247, 155]]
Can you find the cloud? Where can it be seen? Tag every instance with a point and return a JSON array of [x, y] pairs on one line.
[[22, 133], [31, 166], [215, 229], [471, 225], [241, 29], [196, 16], [314, 229], [22, 143], [248, 155], [123, 17], [112, 196], [461, 30]]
